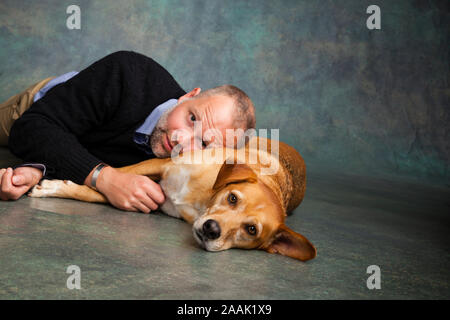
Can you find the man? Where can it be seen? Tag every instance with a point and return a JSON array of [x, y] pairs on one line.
[[122, 109]]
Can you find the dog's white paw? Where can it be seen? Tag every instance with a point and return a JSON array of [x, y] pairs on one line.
[[48, 188]]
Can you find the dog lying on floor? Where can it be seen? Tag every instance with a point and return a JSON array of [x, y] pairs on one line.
[[231, 202]]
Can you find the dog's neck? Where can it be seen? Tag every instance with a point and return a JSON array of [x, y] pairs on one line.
[[289, 181]]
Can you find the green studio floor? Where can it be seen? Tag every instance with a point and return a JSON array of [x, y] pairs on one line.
[[402, 227]]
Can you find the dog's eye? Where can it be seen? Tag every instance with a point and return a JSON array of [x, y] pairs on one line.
[[232, 199], [251, 229]]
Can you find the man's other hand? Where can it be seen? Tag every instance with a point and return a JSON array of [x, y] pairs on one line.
[[15, 183], [128, 191]]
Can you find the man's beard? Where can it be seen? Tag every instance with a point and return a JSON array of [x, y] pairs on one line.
[[158, 135]]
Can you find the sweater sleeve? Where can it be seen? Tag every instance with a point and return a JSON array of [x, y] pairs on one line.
[[47, 132]]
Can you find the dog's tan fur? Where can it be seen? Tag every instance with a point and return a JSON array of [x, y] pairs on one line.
[[199, 192]]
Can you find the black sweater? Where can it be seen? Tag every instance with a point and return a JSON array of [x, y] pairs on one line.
[[92, 117]]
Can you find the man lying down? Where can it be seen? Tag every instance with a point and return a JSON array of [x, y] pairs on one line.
[[120, 110]]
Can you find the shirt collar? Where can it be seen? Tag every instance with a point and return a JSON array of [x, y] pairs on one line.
[[151, 121], [142, 134]]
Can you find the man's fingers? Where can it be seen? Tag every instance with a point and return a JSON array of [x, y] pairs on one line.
[[155, 192], [144, 202], [7, 190], [148, 202], [139, 206], [2, 195], [19, 180], [132, 192], [6, 181], [134, 205], [26, 176], [18, 192], [132, 209]]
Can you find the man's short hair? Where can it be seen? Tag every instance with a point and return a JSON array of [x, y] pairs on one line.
[[245, 111]]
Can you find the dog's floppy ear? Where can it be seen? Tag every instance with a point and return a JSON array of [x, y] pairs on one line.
[[291, 244], [234, 173]]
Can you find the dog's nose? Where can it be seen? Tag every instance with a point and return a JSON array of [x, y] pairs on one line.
[[211, 229]]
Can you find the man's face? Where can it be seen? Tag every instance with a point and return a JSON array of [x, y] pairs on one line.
[[176, 126]]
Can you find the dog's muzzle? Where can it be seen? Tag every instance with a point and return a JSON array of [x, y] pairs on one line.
[[210, 230]]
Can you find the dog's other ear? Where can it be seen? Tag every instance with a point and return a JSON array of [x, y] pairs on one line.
[[291, 244], [234, 173]]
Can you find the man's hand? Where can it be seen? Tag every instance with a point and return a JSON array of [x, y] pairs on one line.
[[14, 183], [128, 191]]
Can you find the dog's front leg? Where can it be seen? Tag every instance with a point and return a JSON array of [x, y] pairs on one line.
[[152, 168], [66, 189]]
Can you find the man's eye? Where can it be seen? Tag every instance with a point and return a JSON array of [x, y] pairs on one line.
[[192, 118], [204, 145]]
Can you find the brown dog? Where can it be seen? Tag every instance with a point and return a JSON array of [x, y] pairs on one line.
[[231, 200]]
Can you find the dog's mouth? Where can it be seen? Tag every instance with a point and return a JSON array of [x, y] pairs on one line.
[[199, 238]]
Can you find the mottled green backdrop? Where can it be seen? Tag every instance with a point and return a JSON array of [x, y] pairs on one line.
[[348, 98]]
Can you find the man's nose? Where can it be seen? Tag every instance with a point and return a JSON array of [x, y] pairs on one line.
[[211, 229], [188, 141], [182, 137]]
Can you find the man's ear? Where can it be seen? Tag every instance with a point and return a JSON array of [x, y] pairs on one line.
[[190, 94], [291, 244], [234, 173]]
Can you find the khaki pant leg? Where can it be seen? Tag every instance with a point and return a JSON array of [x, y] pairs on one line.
[[14, 107]]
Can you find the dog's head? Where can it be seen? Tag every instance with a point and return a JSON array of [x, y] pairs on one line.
[[245, 213]]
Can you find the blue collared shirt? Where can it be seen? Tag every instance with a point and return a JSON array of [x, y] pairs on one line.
[[52, 83], [142, 134]]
